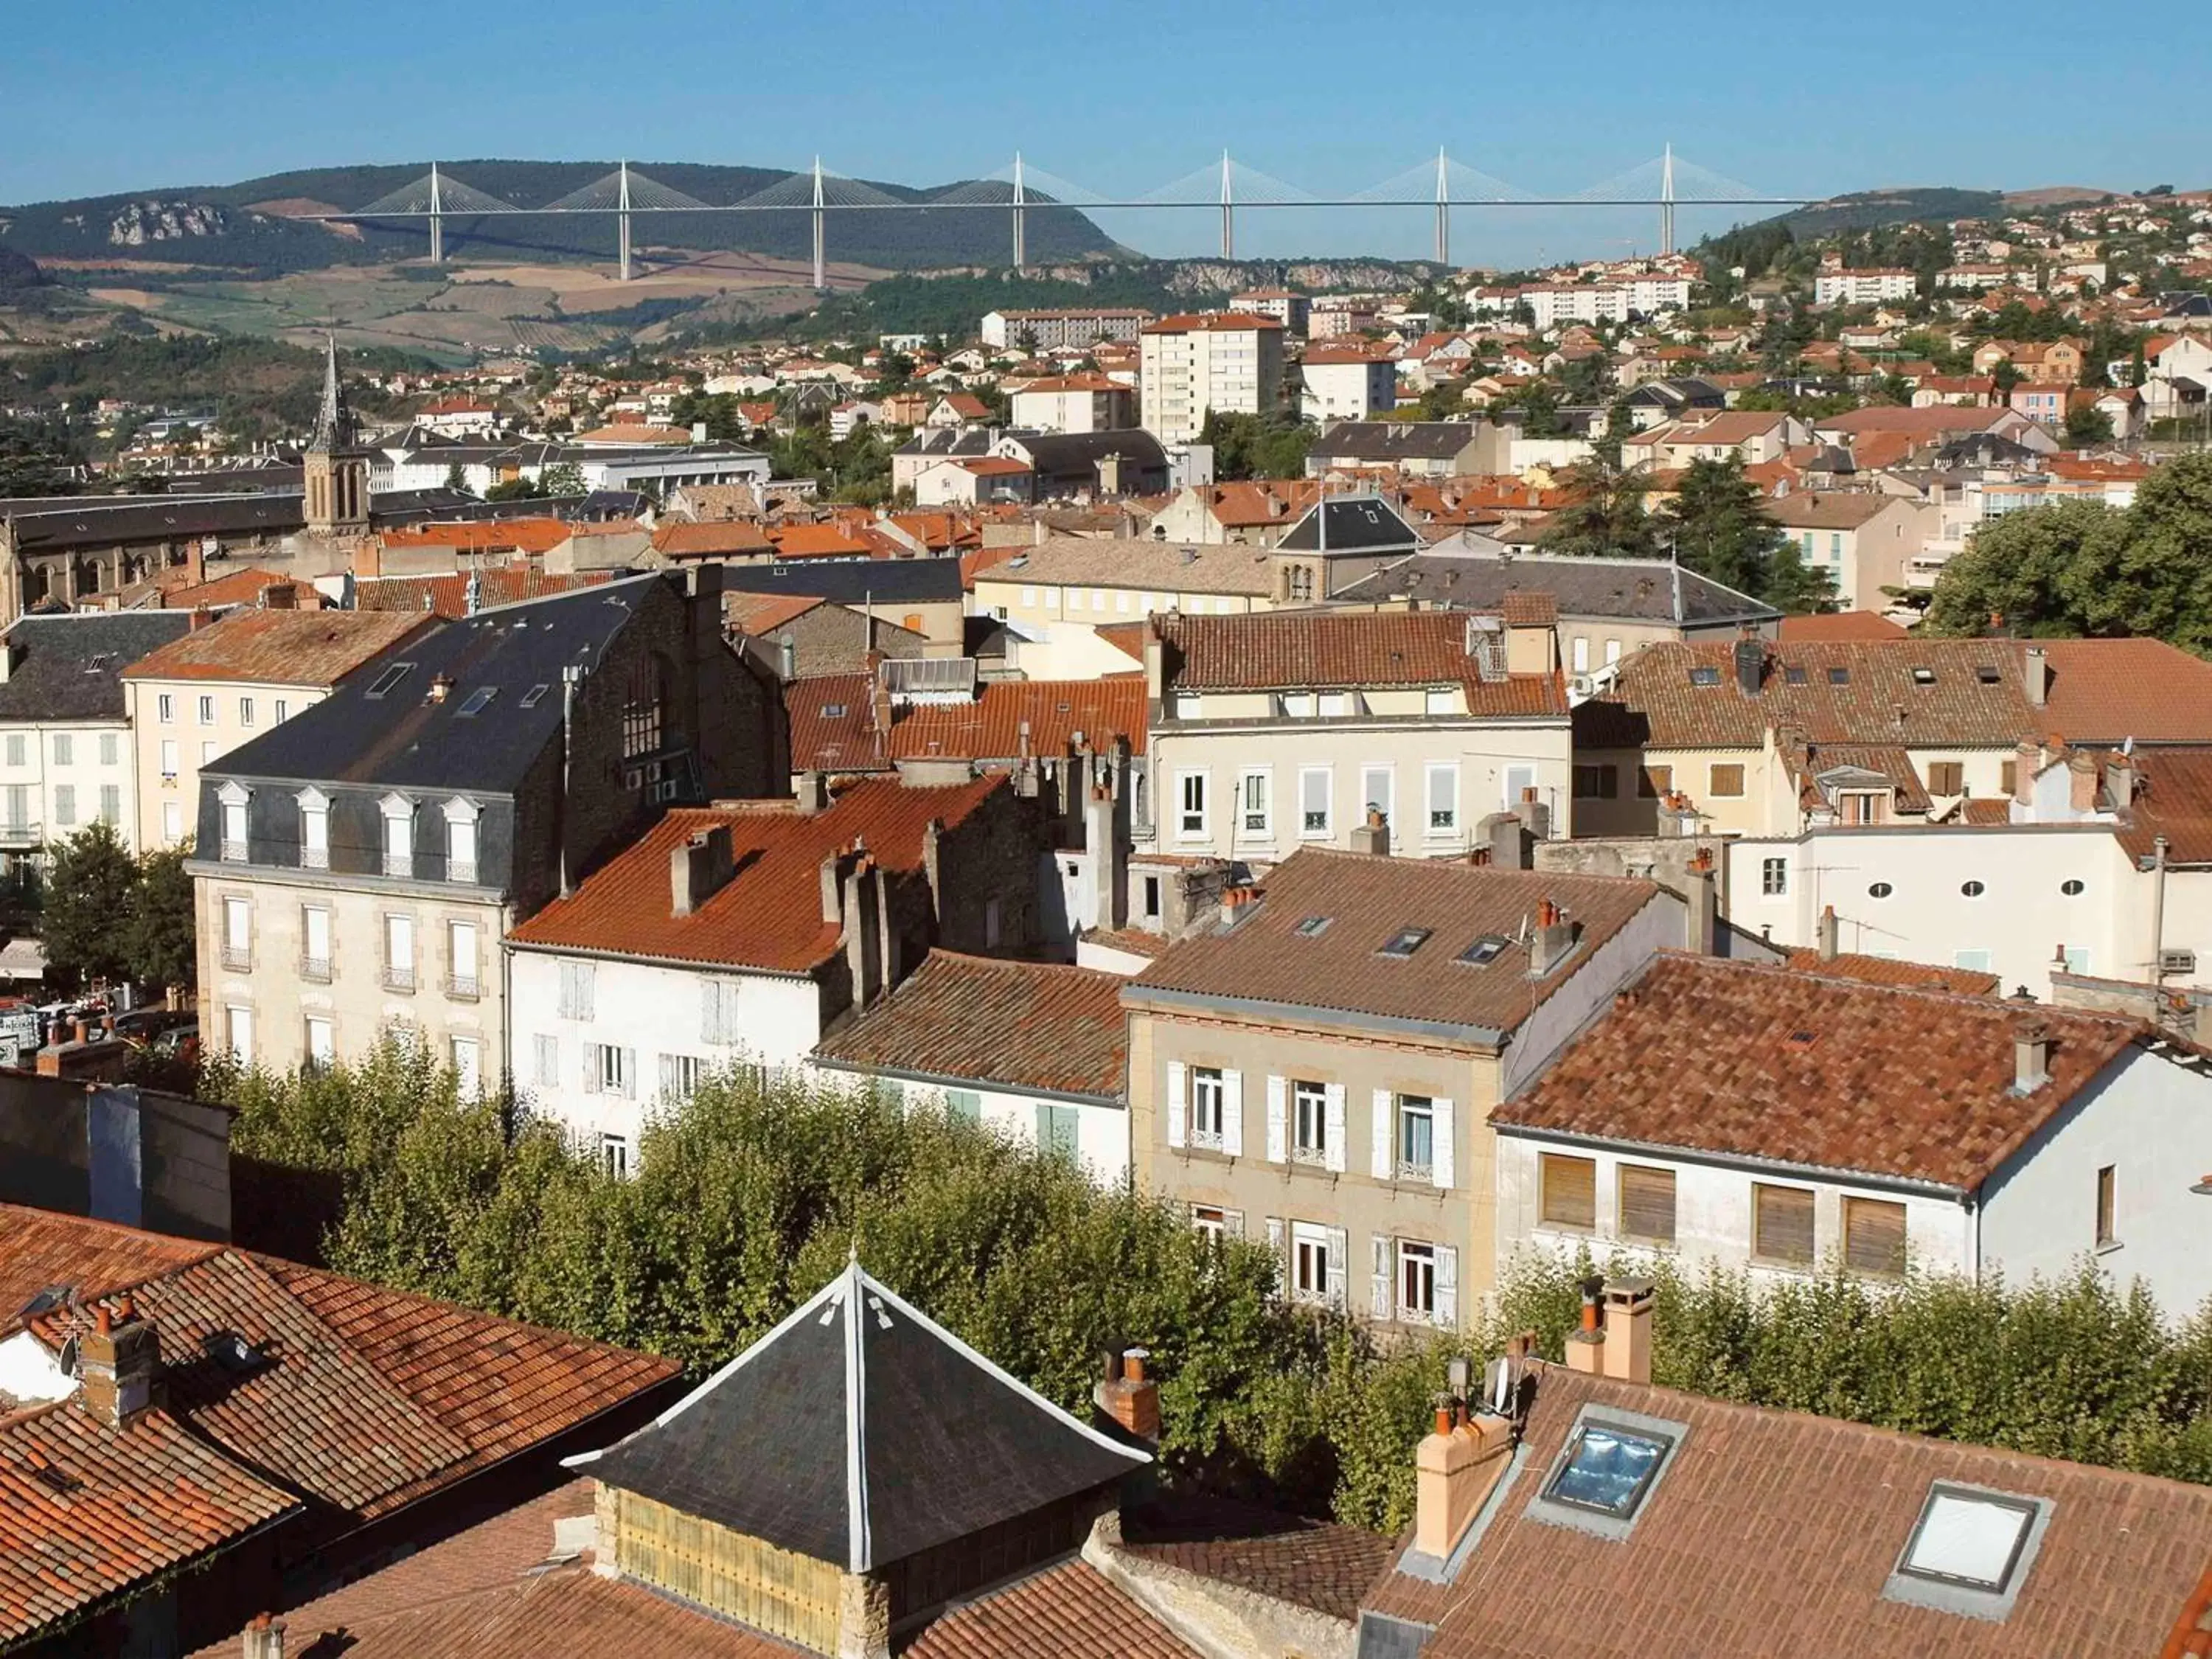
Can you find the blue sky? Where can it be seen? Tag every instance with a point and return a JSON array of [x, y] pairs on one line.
[[102, 96]]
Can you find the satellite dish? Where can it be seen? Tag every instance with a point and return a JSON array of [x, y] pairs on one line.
[[66, 1359]]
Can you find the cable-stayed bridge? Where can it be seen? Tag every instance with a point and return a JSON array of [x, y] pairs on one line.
[[1439, 185]]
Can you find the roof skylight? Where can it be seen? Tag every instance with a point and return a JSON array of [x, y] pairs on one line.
[[1608, 1469], [536, 695], [1968, 1537], [1987, 674], [389, 678], [1405, 942], [478, 699], [1706, 676], [1793, 673], [1924, 676], [1312, 926], [1840, 676], [1483, 952]]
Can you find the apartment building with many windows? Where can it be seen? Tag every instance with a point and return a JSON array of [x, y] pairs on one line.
[[195, 700], [356, 866], [1316, 1069], [1193, 365]]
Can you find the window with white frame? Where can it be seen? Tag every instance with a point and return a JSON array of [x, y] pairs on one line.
[[679, 1077], [1774, 877], [65, 804], [107, 749], [1444, 797], [283, 711], [231, 800], [398, 953], [1209, 1099], [609, 1069], [1442, 700], [1314, 787], [1416, 1280], [1518, 779], [314, 829], [1309, 1121], [1190, 802], [461, 839], [173, 821], [545, 1061], [237, 935], [207, 711], [1416, 1137], [1215, 1224], [614, 1155], [1317, 1263], [1255, 815], [315, 942], [468, 1067], [169, 760], [398, 814], [246, 711], [240, 1019], [1378, 792], [718, 1011], [165, 708], [461, 955], [578, 985], [111, 804], [322, 1042]]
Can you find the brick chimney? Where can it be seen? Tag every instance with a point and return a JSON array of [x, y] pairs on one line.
[[1372, 836], [1457, 1467], [1236, 903], [118, 1366], [2081, 781], [1828, 932], [1129, 1397], [264, 1637], [2031, 1057], [698, 868], [1615, 1338], [1553, 937], [1702, 923], [2028, 760]]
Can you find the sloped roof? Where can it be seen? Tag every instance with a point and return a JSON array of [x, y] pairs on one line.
[[1639, 590], [859, 1432], [1166, 568], [1350, 524], [278, 647], [1010, 718], [768, 914], [71, 666], [1838, 626], [711, 539], [1296, 650], [1814, 1069], [1396, 440], [2177, 803], [1014, 1024], [1886, 970], [1776, 1532], [447, 596], [1366, 900], [2106, 691]]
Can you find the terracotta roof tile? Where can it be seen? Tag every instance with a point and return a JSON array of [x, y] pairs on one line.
[[278, 648], [239, 588], [1264, 958], [1818, 1070], [41, 1249], [1776, 1532], [1839, 626], [1283, 650], [2109, 690], [764, 613], [768, 914], [831, 730], [715, 538], [1309, 1564], [814, 541], [448, 595], [1071, 1611], [2177, 803], [1883, 970], [534, 535], [1019, 1025], [991, 728]]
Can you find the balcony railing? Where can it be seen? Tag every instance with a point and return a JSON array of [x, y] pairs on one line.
[[234, 851], [401, 865], [315, 858], [237, 959], [463, 870], [464, 987], [315, 970], [13, 834], [397, 978]]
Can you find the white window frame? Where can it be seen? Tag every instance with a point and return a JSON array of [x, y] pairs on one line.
[[165, 708], [231, 800], [206, 710], [323, 1053], [170, 760], [1447, 771], [399, 965], [313, 965], [1773, 878], [1192, 823], [463, 978], [1416, 1269], [1209, 1105], [1513, 780], [1385, 799], [462, 817], [1255, 824], [397, 814], [611, 1069], [314, 829], [1307, 775]]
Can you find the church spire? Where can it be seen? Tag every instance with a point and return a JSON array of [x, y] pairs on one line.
[[334, 428]]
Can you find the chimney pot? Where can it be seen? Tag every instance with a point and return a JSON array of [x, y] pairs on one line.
[[1829, 931], [2031, 1057]]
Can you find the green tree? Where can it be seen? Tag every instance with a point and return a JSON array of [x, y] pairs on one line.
[[1605, 516], [1258, 446], [1717, 525], [2086, 425], [516, 489], [457, 479], [565, 478], [85, 923], [162, 941]]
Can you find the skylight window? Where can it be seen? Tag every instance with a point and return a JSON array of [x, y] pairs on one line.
[[1839, 677], [1924, 676], [479, 700], [1405, 942], [1608, 1469], [389, 678], [1313, 927], [1483, 952], [1987, 674], [1794, 674], [1704, 677], [833, 711], [1969, 1538]]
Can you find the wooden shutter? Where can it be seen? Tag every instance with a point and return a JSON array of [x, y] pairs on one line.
[[1448, 1285], [1379, 1283], [1385, 1166], [1339, 1246], [1647, 1204], [1275, 1248], [1232, 1223], [1728, 780], [592, 1064], [1440, 1142], [1874, 1236], [1655, 781], [1232, 1113], [1570, 1190], [710, 1012], [1178, 1105], [1334, 1151], [1781, 1224], [629, 1073], [1278, 1136]]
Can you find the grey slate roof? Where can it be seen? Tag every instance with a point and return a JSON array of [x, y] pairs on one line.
[[1396, 441], [1355, 524], [402, 739], [859, 1432], [851, 581], [70, 666], [1640, 590], [97, 521], [1060, 455]]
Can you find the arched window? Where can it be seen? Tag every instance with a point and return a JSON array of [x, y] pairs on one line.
[[645, 707]]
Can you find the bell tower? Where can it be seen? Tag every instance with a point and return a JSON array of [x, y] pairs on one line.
[[335, 464]]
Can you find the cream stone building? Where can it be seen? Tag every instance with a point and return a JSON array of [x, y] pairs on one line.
[[1221, 362], [195, 700]]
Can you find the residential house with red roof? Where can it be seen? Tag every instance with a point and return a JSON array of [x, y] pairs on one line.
[[1085, 402], [736, 935], [1781, 1121]]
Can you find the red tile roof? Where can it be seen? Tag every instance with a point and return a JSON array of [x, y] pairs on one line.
[[2109, 690], [1839, 626], [1211, 321], [239, 587], [764, 613], [447, 596], [769, 915], [532, 535], [42, 1248], [1012, 1025], [1365, 900], [1883, 970], [810, 541], [992, 727], [1814, 1069], [2176, 803], [831, 727], [1071, 1611], [1776, 1532], [1283, 650], [278, 647], [1309, 1564], [717, 538]]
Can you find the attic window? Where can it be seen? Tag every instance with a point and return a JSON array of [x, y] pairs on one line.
[[1313, 927], [535, 696], [1793, 674], [1970, 1551], [1987, 673], [1405, 942], [1704, 677], [833, 711], [1608, 1468], [389, 678], [479, 700], [1839, 677], [1924, 676], [231, 1352], [101, 661], [1483, 952]]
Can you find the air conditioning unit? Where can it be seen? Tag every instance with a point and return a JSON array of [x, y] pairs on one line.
[[665, 791], [2177, 961]]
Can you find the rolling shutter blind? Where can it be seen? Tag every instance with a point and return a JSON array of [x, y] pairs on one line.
[[1647, 1204], [1440, 1142], [1385, 1165], [1334, 1151], [1232, 1113], [1279, 1149], [1178, 1106], [1781, 1224], [1874, 1236], [1570, 1190]]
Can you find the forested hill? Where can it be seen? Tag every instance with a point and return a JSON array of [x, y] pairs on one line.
[[242, 226]]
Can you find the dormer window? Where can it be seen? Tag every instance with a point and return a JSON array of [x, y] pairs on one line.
[[461, 818], [398, 835], [231, 800], [314, 829]]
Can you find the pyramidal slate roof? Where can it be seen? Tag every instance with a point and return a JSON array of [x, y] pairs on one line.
[[859, 1430]]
